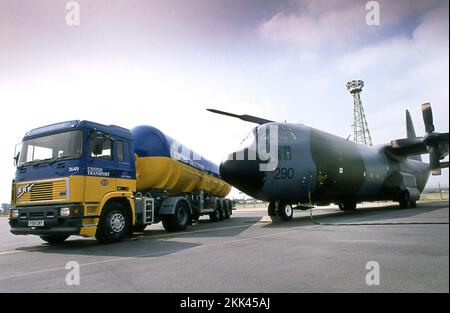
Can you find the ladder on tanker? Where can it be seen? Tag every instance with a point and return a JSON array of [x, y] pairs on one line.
[[148, 213]]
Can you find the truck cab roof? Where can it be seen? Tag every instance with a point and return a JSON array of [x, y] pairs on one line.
[[113, 130]]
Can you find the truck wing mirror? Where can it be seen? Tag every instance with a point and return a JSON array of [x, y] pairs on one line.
[[17, 153], [97, 145]]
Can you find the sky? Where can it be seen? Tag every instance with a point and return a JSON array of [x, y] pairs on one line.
[[163, 62]]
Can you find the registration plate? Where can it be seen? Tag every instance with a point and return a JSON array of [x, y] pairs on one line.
[[35, 223]]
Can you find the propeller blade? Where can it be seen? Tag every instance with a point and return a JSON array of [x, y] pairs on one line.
[[435, 164], [427, 114], [245, 117]]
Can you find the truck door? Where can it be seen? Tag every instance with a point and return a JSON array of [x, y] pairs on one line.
[[101, 171], [124, 166]]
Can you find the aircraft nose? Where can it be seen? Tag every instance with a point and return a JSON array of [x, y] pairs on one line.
[[245, 174]]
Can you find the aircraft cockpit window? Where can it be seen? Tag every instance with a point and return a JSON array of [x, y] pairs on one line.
[[284, 153], [285, 133]]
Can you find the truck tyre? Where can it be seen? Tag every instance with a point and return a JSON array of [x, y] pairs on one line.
[[221, 210], [285, 210], [347, 206], [214, 216], [226, 210], [54, 239], [179, 220], [114, 223]]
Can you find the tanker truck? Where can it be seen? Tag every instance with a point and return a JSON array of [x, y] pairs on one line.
[[88, 179]]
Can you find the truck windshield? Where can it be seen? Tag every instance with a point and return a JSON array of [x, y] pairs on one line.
[[52, 147]]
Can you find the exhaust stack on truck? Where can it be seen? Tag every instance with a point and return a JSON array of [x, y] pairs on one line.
[[88, 179]]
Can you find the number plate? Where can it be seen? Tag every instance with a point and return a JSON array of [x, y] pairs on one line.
[[35, 223]]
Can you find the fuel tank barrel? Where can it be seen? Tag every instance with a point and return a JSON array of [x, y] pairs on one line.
[[164, 163]]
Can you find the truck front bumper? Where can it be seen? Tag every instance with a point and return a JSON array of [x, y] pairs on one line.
[[54, 224]]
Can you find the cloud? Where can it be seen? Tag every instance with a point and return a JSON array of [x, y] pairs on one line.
[[339, 24]]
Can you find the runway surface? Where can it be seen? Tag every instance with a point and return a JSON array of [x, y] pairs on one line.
[[247, 254]]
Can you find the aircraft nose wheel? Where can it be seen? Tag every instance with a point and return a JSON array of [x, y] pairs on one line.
[[281, 209]]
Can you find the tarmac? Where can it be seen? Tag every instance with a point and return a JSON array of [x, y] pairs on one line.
[[377, 248]]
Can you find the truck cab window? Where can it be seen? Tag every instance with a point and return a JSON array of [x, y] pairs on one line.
[[120, 151], [106, 150]]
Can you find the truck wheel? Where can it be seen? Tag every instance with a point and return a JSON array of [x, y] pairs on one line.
[[179, 220], [413, 204], [347, 206], [214, 216], [285, 210], [114, 224], [226, 212], [55, 239], [221, 211]]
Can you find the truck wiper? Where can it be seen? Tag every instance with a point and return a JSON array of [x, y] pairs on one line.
[[60, 158], [39, 162]]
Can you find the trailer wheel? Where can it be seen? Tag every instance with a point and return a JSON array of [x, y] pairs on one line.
[[215, 216], [221, 211], [178, 221], [54, 239], [226, 210], [114, 223]]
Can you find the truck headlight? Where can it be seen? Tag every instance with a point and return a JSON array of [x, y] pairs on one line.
[[14, 213], [64, 211]]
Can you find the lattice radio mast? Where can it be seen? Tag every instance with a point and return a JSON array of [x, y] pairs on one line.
[[361, 133]]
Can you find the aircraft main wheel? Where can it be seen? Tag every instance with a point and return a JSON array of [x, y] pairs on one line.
[[404, 200], [114, 223], [285, 210], [54, 239], [178, 221], [347, 206]]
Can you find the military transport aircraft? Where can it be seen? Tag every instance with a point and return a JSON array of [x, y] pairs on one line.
[[318, 168]]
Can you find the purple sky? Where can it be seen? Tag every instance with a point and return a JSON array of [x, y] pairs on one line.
[[155, 62]]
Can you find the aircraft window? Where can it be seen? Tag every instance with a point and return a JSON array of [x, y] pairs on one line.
[[284, 153], [285, 133]]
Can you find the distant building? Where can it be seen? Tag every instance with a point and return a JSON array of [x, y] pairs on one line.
[[5, 208]]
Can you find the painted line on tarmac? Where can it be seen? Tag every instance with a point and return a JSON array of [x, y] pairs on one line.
[[164, 252]]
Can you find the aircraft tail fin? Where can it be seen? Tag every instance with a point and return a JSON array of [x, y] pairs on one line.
[[411, 135]]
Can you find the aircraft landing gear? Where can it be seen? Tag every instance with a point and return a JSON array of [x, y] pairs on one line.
[[280, 209]]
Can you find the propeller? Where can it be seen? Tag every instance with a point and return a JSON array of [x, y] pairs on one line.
[[437, 143], [245, 117]]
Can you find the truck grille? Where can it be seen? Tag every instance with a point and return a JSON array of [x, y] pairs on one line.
[[42, 191]]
